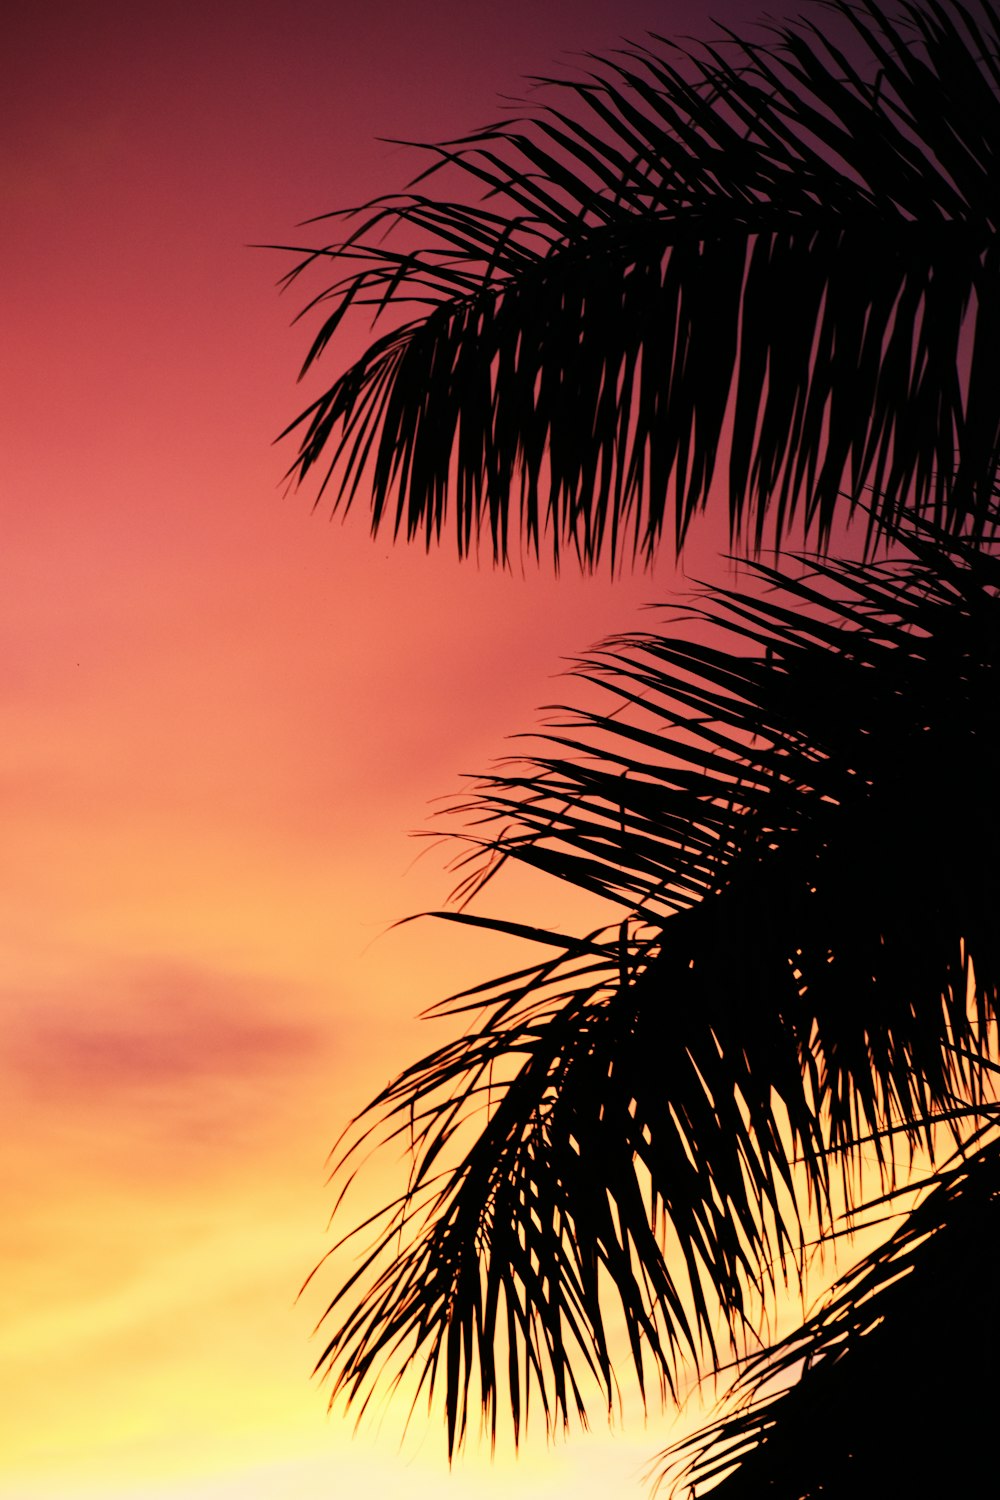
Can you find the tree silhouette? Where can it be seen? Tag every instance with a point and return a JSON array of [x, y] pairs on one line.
[[785, 254], [775, 265], [905, 1334]]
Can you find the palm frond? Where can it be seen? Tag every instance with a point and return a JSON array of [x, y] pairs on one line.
[[771, 264], [793, 825], [890, 1385]]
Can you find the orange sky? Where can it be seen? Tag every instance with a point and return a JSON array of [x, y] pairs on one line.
[[221, 718]]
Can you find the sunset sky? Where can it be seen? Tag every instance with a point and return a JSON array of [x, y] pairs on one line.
[[223, 717]]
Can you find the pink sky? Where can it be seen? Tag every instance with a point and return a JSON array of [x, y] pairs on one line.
[[222, 718]]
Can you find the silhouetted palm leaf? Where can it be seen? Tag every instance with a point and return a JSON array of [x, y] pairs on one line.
[[795, 824], [894, 1378], [775, 264]]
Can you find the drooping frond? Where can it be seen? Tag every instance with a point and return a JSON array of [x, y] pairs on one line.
[[793, 825], [893, 1381], [772, 264]]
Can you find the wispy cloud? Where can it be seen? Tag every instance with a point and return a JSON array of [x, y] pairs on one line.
[[169, 1069], [163, 1025]]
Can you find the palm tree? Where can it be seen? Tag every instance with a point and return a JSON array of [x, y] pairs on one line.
[[904, 1336], [778, 262], [783, 256], [806, 964]]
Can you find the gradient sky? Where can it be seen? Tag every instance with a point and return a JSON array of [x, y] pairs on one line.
[[222, 716]]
